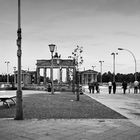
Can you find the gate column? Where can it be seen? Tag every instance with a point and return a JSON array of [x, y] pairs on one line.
[[60, 70], [44, 76], [67, 74], [38, 76]]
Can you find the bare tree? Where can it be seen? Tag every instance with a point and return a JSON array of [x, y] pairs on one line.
[[78, 61]]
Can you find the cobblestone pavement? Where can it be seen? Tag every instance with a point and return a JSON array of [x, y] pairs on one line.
[[80, 129], [126, 104], [91, 129]]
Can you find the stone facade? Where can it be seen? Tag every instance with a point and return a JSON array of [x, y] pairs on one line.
[[88, 76], [57, 64], [28, 77]]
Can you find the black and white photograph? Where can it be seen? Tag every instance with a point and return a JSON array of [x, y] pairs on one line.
[[69, 69]]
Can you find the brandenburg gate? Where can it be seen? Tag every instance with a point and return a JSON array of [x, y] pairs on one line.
[[59, 64]]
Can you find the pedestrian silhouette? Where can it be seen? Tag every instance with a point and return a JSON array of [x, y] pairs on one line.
[[124, 86], [114, 87], [97, 87], [136, 84], [89, 87], [109, 87], [92, 86]]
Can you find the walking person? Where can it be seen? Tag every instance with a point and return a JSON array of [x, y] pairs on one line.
[[139, 87], [109, 87], [90, 87], [49, 87], [136, 84], [97, 87], [124, 86], [129, 87], [114, 87]]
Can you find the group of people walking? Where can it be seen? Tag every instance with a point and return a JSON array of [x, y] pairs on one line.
[[110, 85], [93, 86], [113, 84], [124, 85]]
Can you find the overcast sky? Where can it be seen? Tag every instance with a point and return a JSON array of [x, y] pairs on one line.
[[100, 26]]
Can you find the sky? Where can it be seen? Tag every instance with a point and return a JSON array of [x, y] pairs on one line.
[[99, 26]]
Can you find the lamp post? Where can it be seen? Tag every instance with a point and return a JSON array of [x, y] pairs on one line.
[[19, 109], [52, 47], [101, 62], [60, 69], [7, 62], [134, 61], [114, 65]]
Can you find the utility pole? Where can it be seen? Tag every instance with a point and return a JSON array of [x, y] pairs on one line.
[[114, 65], [19, 109], [101, 62]]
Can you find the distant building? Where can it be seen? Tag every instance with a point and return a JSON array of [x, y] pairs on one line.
[[28, 77], [33, 77], [88, 76], [60, 64]]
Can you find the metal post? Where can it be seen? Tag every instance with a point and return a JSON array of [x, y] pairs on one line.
[[101, 70], [134, 61], [114, 65], [52, 73], [52, 47], [19, 109]]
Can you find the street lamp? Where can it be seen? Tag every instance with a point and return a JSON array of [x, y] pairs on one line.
[[7, 62], [19, 109], [52, 47], [101, 69], [134, 60], [114, 65], [93, 67]]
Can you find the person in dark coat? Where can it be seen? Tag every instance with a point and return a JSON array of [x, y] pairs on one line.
[[49, 87], [92, 86], [124, 86], [114, 87], [97, 87], [89, 87]]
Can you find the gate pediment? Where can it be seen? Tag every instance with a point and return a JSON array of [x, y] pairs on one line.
[[56, 63]]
